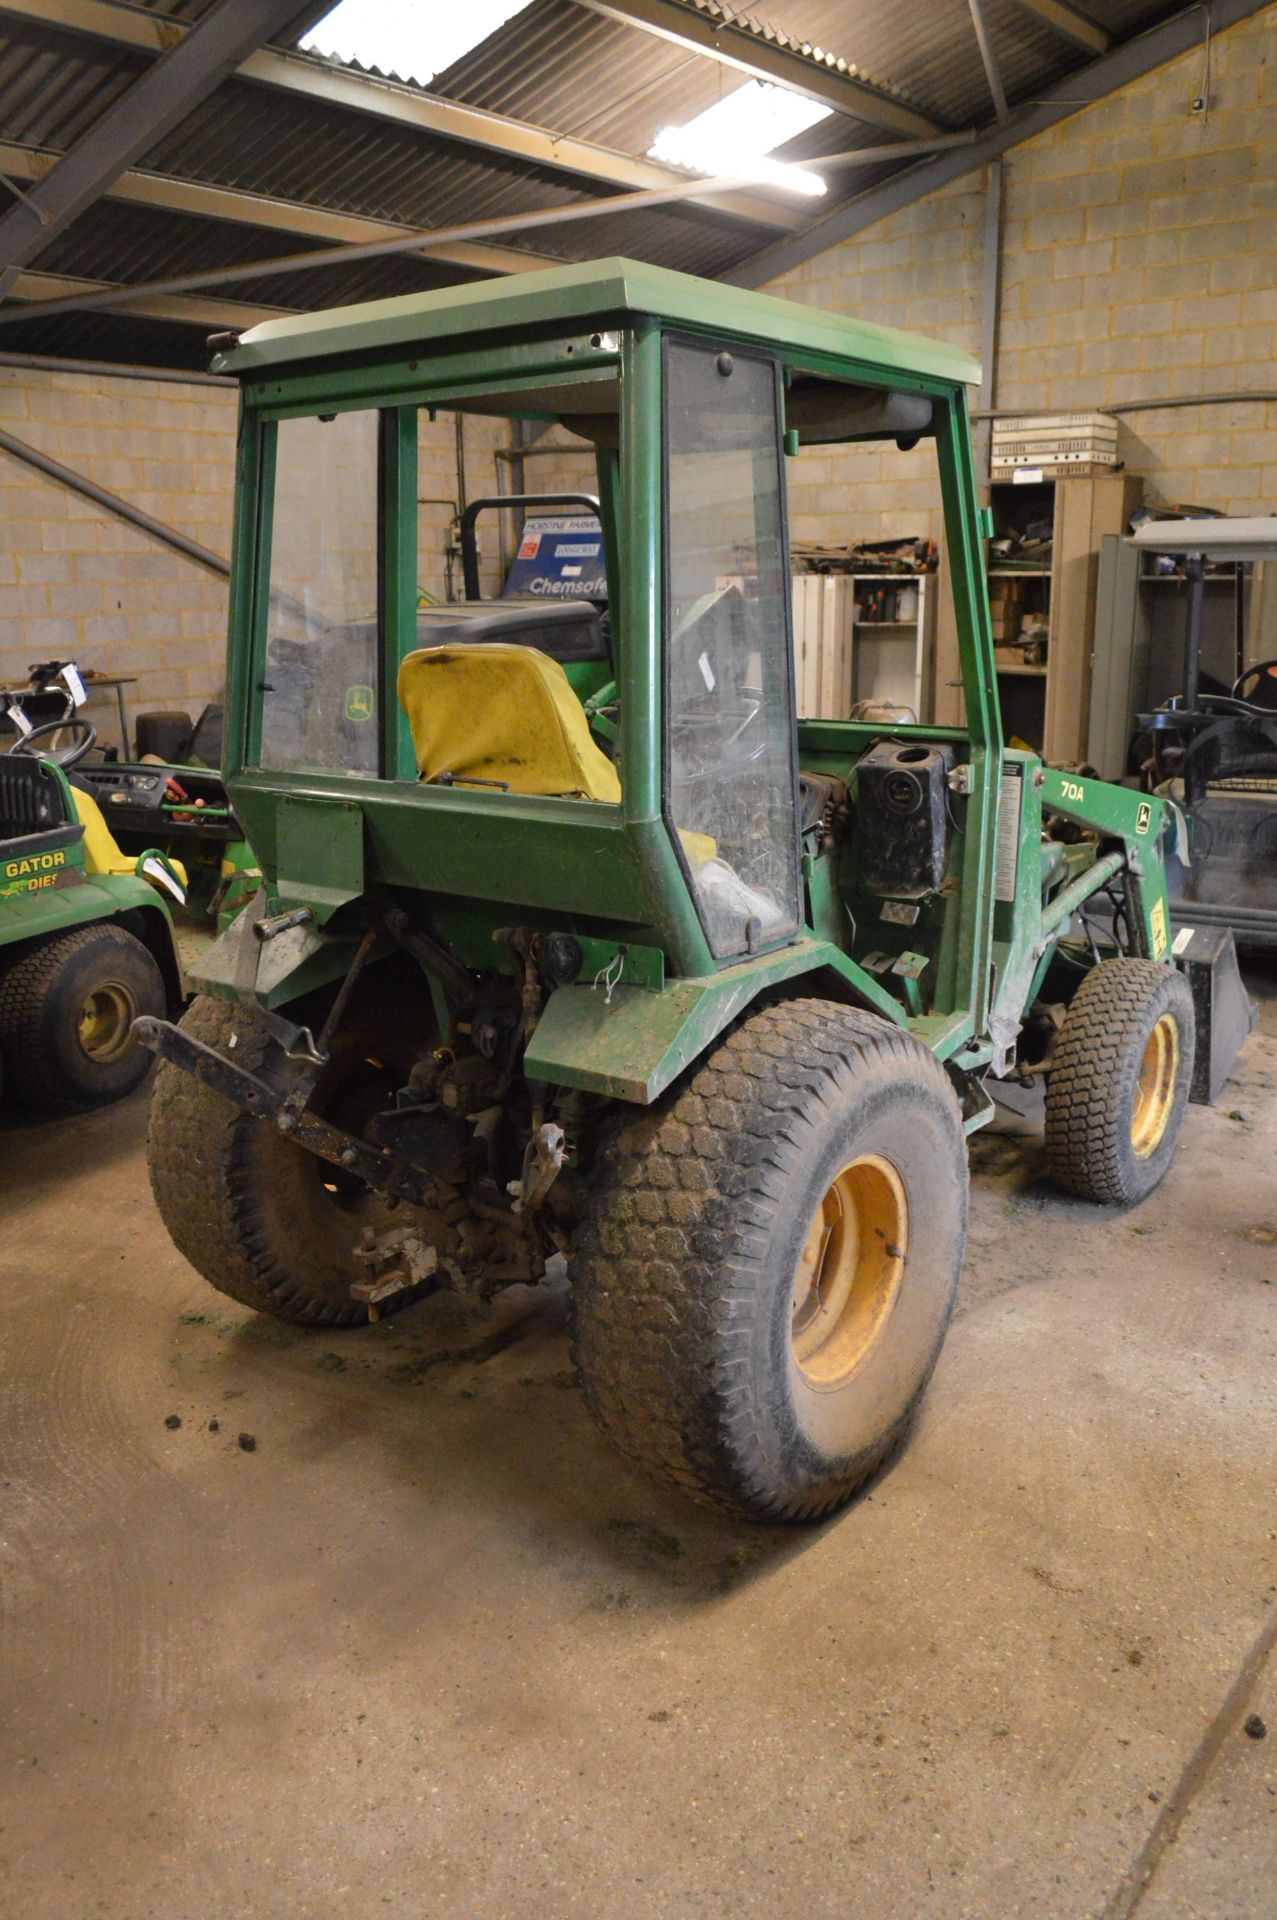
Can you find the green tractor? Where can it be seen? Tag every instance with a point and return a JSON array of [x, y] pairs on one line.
[[576, 938]]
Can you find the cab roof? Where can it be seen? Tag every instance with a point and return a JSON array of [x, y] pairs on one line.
[[593, 293]]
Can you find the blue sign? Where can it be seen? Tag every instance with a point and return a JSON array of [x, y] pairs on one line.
[[560, 557]]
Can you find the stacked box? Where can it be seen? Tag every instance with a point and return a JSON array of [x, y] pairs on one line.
[[1006, 609], [1053, 441]]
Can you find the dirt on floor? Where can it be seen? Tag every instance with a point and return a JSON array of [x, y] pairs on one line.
[[311, 1624]]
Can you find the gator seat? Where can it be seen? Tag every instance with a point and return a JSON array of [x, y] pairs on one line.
[[502, 716]]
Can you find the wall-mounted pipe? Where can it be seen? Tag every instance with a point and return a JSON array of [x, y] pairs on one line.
[[113, 370], [123, 509], [1260, 397]]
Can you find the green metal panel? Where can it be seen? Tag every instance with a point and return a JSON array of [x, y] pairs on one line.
[[36, 867], [319, 837], [1137, 818], [510, 849], [1140, 821], [633, 1044], [522, 370], [590, 292]]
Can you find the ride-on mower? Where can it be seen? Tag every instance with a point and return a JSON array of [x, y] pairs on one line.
[[105, 880], [661, 975]]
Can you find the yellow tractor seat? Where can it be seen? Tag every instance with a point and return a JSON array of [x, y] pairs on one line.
[[502, 716], [102, 852]]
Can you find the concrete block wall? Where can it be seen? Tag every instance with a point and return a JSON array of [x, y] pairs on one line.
[[438, 493], [76, 581], [1139, 261]]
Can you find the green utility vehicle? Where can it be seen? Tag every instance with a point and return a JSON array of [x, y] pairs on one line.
[[576, 938], [110, 876], [87, 940]]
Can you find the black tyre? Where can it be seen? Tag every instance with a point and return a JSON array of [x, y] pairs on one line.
[[768, 1261], [66, 1009], [263, 1220], [1119, 1081]]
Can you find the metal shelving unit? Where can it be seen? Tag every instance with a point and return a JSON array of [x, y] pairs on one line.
[[1048, 705], [841, 659]]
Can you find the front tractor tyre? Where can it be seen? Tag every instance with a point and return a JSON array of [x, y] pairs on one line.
[[768, 1260], [1119, 1081], [263, 1220], [67, 1006]]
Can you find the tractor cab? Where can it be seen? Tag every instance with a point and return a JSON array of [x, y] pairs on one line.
[[625, 769]]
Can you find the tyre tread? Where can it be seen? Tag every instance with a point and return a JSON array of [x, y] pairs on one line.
[[1084, 1118], [199, 1148], [24, 988], [664, 1263]]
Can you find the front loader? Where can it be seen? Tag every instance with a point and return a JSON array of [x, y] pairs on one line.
[[575, 937]]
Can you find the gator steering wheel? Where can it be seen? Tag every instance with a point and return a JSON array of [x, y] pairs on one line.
[[85, 736]]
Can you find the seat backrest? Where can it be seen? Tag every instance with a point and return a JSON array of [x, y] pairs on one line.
[[102, 851], [30, 798], [504, 715]]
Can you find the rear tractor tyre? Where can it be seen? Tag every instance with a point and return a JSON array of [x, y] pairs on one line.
[[66, 1010], [768, 1260], [1119, 1081], [263, 1220]]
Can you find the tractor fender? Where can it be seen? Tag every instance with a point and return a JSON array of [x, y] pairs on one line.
[[630, 1042]]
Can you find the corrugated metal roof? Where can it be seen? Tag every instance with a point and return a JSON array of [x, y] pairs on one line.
[[601, 80], [556, 65]]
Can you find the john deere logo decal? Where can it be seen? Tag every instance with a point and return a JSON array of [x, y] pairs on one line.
[[1143, 817], [359, 703]]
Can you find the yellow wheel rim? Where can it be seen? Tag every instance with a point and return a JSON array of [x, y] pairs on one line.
[[105, 1019], [849, 1271], [1155, 1087]]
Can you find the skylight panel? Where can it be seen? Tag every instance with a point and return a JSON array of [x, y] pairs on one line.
[[404, 38], [740, 132]]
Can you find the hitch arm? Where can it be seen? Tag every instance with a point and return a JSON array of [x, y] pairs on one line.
[[384, 1171]]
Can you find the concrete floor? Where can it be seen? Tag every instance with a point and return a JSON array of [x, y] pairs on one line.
[[431, 1649]]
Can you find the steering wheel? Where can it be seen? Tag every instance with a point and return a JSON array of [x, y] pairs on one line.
[[85, 736], [1250, 683]]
